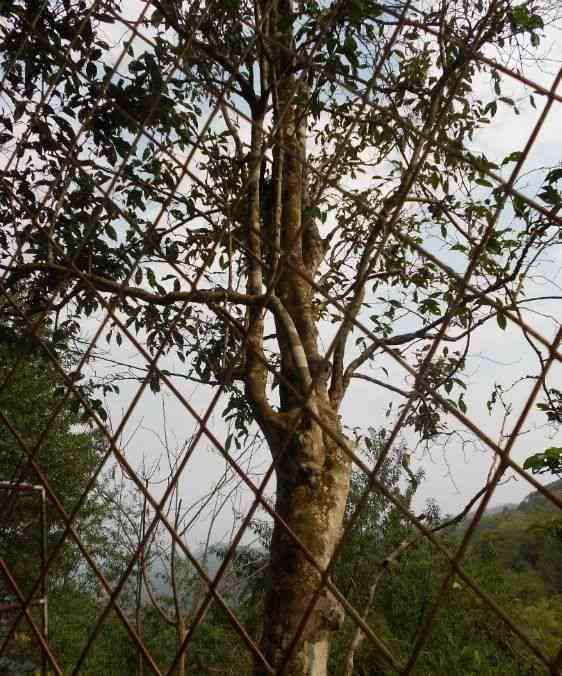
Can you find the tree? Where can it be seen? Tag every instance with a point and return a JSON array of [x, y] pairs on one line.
[[376, 540], [232, 244], [389, 571], [67, 451], [35, 412]]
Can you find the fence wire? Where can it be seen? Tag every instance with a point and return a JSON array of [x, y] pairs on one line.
[[58, 165]]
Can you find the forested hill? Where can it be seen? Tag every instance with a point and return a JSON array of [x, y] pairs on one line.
[[537, 502], [527, 541], [516, 559]]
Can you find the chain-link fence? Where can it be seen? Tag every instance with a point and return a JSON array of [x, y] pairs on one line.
[[259, 259]]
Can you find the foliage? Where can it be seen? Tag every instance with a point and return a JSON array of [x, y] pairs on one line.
[[377, 533], [40, 417], [550, 460], [92, 120], [37, 415], [515, 557], [73, 613]]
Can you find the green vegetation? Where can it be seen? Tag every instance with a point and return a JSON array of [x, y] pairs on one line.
[[390, 574], [550, 460], [516, 559], [40, 420]]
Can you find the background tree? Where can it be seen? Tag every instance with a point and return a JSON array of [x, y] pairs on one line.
[[368, 551], [66, 450], [515, 556], [232, 244]]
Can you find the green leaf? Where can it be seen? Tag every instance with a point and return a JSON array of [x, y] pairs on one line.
[[554, 175], [151, 277], [550, 195], [122, 147], [512, 157], [156, 18], [502, 320], [91, 70], [154, 382], [110, 232]]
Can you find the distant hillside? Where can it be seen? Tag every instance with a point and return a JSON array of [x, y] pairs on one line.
[[537, 501], [527, 541]]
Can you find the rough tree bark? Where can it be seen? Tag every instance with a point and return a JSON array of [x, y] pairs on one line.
[[312, 470]]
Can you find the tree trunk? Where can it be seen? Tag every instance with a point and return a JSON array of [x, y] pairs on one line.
[[182, 631], [311, 501], [312, 471]]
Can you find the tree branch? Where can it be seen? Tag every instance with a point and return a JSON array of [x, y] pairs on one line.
[[297, 350], [102, 284], [376, 381], [399, 339]]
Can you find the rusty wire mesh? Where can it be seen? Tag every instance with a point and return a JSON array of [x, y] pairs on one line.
[[160, 507]]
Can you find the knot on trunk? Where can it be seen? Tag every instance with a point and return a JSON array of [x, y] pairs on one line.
[[328, 616], [311, 454]]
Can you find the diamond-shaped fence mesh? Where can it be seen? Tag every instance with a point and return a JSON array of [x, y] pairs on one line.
[[272, 274], [26, 509]]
